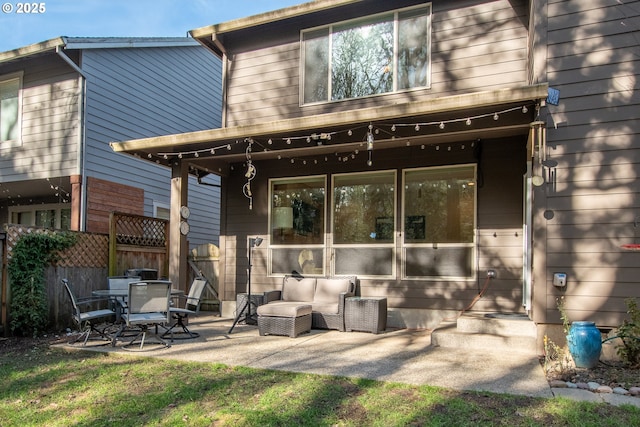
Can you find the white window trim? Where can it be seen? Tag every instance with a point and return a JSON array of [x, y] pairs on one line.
[[398, 246], [58, 207], [5, 78], [395, 90], [473, 245], [332, 246], [273, 245], [160, 205]]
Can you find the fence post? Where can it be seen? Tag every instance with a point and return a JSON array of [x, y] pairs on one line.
[[113, 262], [3, 283]]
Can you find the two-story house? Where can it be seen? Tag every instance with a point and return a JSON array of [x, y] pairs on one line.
[[64, 99], [424, 146]]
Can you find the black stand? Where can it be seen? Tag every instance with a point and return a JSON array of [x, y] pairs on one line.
[[248, 317]]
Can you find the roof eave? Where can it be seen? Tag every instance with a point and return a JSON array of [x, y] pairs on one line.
[[32, 49], [332, 120], [212, 32]]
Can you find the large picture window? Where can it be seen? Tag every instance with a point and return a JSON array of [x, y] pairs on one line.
[[429, 230], [439, 221], [10, 107], [364, 223], [297, 225], [378, 54]]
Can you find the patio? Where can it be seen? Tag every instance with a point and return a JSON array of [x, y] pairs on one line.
[[401, 355]]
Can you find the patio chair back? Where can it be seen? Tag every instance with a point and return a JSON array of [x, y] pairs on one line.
[[121, 282], [194, 298], [74, 302], [85, 319], [151, 296]]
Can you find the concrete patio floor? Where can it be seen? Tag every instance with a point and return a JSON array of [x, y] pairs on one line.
[[403, 355]]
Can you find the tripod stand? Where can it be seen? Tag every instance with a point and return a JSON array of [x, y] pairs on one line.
[[246, 306]]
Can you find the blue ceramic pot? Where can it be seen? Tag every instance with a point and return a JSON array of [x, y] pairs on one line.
[[585, 344]]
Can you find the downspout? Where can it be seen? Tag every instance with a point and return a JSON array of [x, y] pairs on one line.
[[218, 49], [225, 64], [81, 147]]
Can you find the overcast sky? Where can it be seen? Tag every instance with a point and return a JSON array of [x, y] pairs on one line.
[[119, 18]]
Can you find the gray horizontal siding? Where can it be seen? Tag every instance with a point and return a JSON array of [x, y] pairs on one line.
[[50, 123], [474, 48], [135, 93], [594, 140]]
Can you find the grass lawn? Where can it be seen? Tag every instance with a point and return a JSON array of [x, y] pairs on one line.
[[43, 386]]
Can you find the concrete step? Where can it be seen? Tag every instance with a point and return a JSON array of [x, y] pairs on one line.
[[498, 324], [478, 332]]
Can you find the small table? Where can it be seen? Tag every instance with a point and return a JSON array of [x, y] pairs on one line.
[[122, 294], [368, 314]]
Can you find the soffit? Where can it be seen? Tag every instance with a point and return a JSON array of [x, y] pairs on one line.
[[212, 151]]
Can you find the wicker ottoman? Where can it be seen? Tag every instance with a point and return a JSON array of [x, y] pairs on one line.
[[284, 318]]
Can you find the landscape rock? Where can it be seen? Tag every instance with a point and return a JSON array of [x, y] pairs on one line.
[[620, 390], [557, 384], [604, 389], [634, 391], [593, 386]]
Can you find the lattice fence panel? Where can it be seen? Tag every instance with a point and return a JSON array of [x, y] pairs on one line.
[[90, 250], [140, 230]]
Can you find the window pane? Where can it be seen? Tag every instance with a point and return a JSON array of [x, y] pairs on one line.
[[22, 218], [440, 205], [413, 48], [46, 218], [297, 211], [163, 213], [65, 219], [297, 260], [362, 60], [9, 109], [364, 207], [316, 66], [364, 261]]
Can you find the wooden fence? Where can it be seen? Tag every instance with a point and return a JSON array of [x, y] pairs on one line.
[[134, 242]]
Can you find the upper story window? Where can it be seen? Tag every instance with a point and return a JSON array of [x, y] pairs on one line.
[[10, 105], [377, 54]]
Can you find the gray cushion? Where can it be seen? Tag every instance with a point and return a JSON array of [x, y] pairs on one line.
[[298, 290], [324, 307], [284, 309], [328, 290]]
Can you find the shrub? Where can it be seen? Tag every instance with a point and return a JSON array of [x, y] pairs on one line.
[[29, 258], [629, 333]]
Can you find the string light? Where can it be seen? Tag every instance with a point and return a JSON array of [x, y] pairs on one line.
[[372, 128]]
